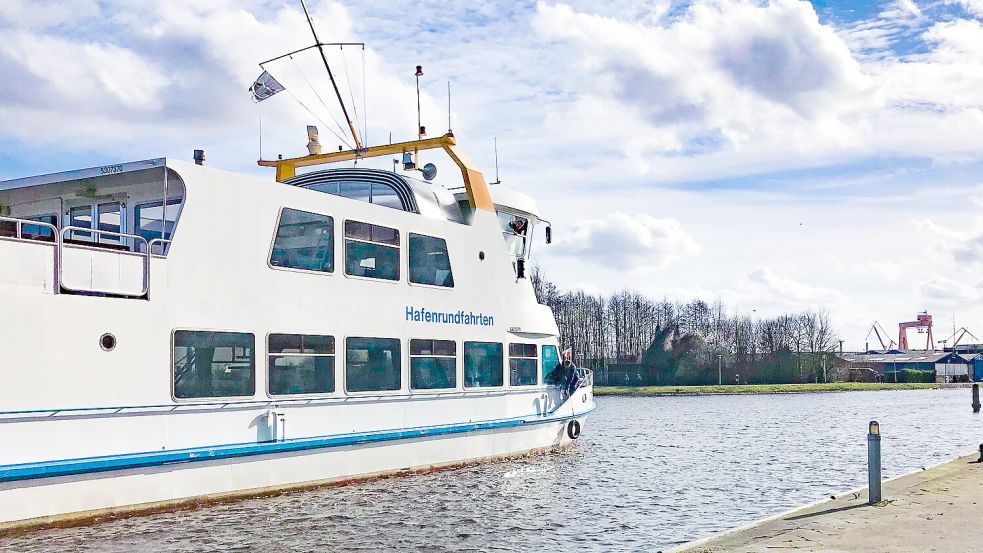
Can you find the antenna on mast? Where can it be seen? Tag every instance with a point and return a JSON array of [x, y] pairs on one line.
[[497, 180], [320, 48], [421, 131], [449, 107]]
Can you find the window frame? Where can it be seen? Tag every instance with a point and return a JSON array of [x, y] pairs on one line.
[[334, 249], [209, 399], [458, 366], [399, 250], [464, 367], [409, 235], [269, 392], [403, 383], [535, 358], [542, 368], [37, 219], [150, 204]]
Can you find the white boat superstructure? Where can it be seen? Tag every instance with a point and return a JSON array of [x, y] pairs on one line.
[[176, 332]]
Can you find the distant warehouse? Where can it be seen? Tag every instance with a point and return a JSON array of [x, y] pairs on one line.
[[915, 366]]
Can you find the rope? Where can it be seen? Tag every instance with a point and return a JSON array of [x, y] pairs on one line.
[[327, 126], [351, 92], [365, 106], [340, 128]]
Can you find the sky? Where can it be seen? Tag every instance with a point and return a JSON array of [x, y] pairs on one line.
[[778, 156]]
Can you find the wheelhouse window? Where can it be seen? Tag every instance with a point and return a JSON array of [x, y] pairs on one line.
[[154, 222], [301, 364], [429, 262], [304, 241], [522, 365], [371, 251], [515, 229], [372, 364], [213, 364], [371, 192], [483, 364], [551, 358], [433, 364]]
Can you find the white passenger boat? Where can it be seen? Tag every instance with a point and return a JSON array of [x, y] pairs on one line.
[[174, 332]]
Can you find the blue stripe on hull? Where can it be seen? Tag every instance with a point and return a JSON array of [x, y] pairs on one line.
[[66, 467]]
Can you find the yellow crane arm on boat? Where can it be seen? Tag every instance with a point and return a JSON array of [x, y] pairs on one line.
[[474, 181]]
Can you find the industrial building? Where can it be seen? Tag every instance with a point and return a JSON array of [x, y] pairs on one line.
[[947, 366]]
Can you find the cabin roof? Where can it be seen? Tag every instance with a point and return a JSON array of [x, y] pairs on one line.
[[78, 174]]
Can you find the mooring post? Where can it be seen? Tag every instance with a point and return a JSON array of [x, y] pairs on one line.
[[873, 463], [976, 397]]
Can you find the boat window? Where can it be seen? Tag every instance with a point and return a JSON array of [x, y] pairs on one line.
[[371, 251], [514, 229], [361, 191], [110, 221], [429, 262], [304, 241], [40, 232], [522, 365], [300, 364], [433, 364], [550, 360], [152, 222], [372, 364], [80, 216], [213, 364], [483, 364], [383, 194]]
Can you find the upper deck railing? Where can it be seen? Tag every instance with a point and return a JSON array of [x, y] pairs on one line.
[[12, 228]]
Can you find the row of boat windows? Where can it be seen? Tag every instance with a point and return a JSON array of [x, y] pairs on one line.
[[223, 364], [306, 241], [150, 221]]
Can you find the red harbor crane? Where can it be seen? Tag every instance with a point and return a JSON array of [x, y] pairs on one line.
[[923, 322]]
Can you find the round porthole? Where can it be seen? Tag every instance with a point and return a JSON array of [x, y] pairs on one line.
[[107, 342], [481, 256]]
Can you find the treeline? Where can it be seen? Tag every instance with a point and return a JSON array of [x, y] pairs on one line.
[[673, 343]]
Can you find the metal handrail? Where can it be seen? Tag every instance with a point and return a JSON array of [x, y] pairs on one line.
[[161, 241], [20, 228], [146, 257]]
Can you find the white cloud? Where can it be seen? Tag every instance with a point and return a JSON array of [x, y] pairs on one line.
[[731, 88], [628, 243], [948, 291], [974, 7], [770, 287]]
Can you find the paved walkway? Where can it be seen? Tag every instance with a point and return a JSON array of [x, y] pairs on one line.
[[939, 509]]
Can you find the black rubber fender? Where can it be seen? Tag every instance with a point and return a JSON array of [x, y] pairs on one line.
[[573, 429]]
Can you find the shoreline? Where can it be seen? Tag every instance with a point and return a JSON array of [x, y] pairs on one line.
[[845, 522], [750, 389]]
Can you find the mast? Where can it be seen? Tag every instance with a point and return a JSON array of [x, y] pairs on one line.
[[320, 48]]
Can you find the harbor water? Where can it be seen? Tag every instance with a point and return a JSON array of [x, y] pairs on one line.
[[647, 473]]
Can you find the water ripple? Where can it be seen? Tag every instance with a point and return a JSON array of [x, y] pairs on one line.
[[647, 473]]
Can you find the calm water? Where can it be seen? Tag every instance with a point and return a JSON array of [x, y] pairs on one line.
[[646, 474]]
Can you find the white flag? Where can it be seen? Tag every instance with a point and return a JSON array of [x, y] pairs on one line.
[[264, 87]]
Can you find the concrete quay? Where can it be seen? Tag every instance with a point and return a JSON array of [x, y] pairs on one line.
[[937, 509]]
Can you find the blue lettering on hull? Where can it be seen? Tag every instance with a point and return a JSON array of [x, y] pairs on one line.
[[461, 317]]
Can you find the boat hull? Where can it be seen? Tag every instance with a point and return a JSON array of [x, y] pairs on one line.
[[76, 498]]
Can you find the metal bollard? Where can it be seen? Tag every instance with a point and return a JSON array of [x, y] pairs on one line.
[[874, 463], [976, 397]]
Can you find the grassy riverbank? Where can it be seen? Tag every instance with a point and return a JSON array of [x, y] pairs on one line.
[[762, 388]]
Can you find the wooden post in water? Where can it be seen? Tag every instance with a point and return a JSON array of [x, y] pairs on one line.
[[976, 397], [874, 463]]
